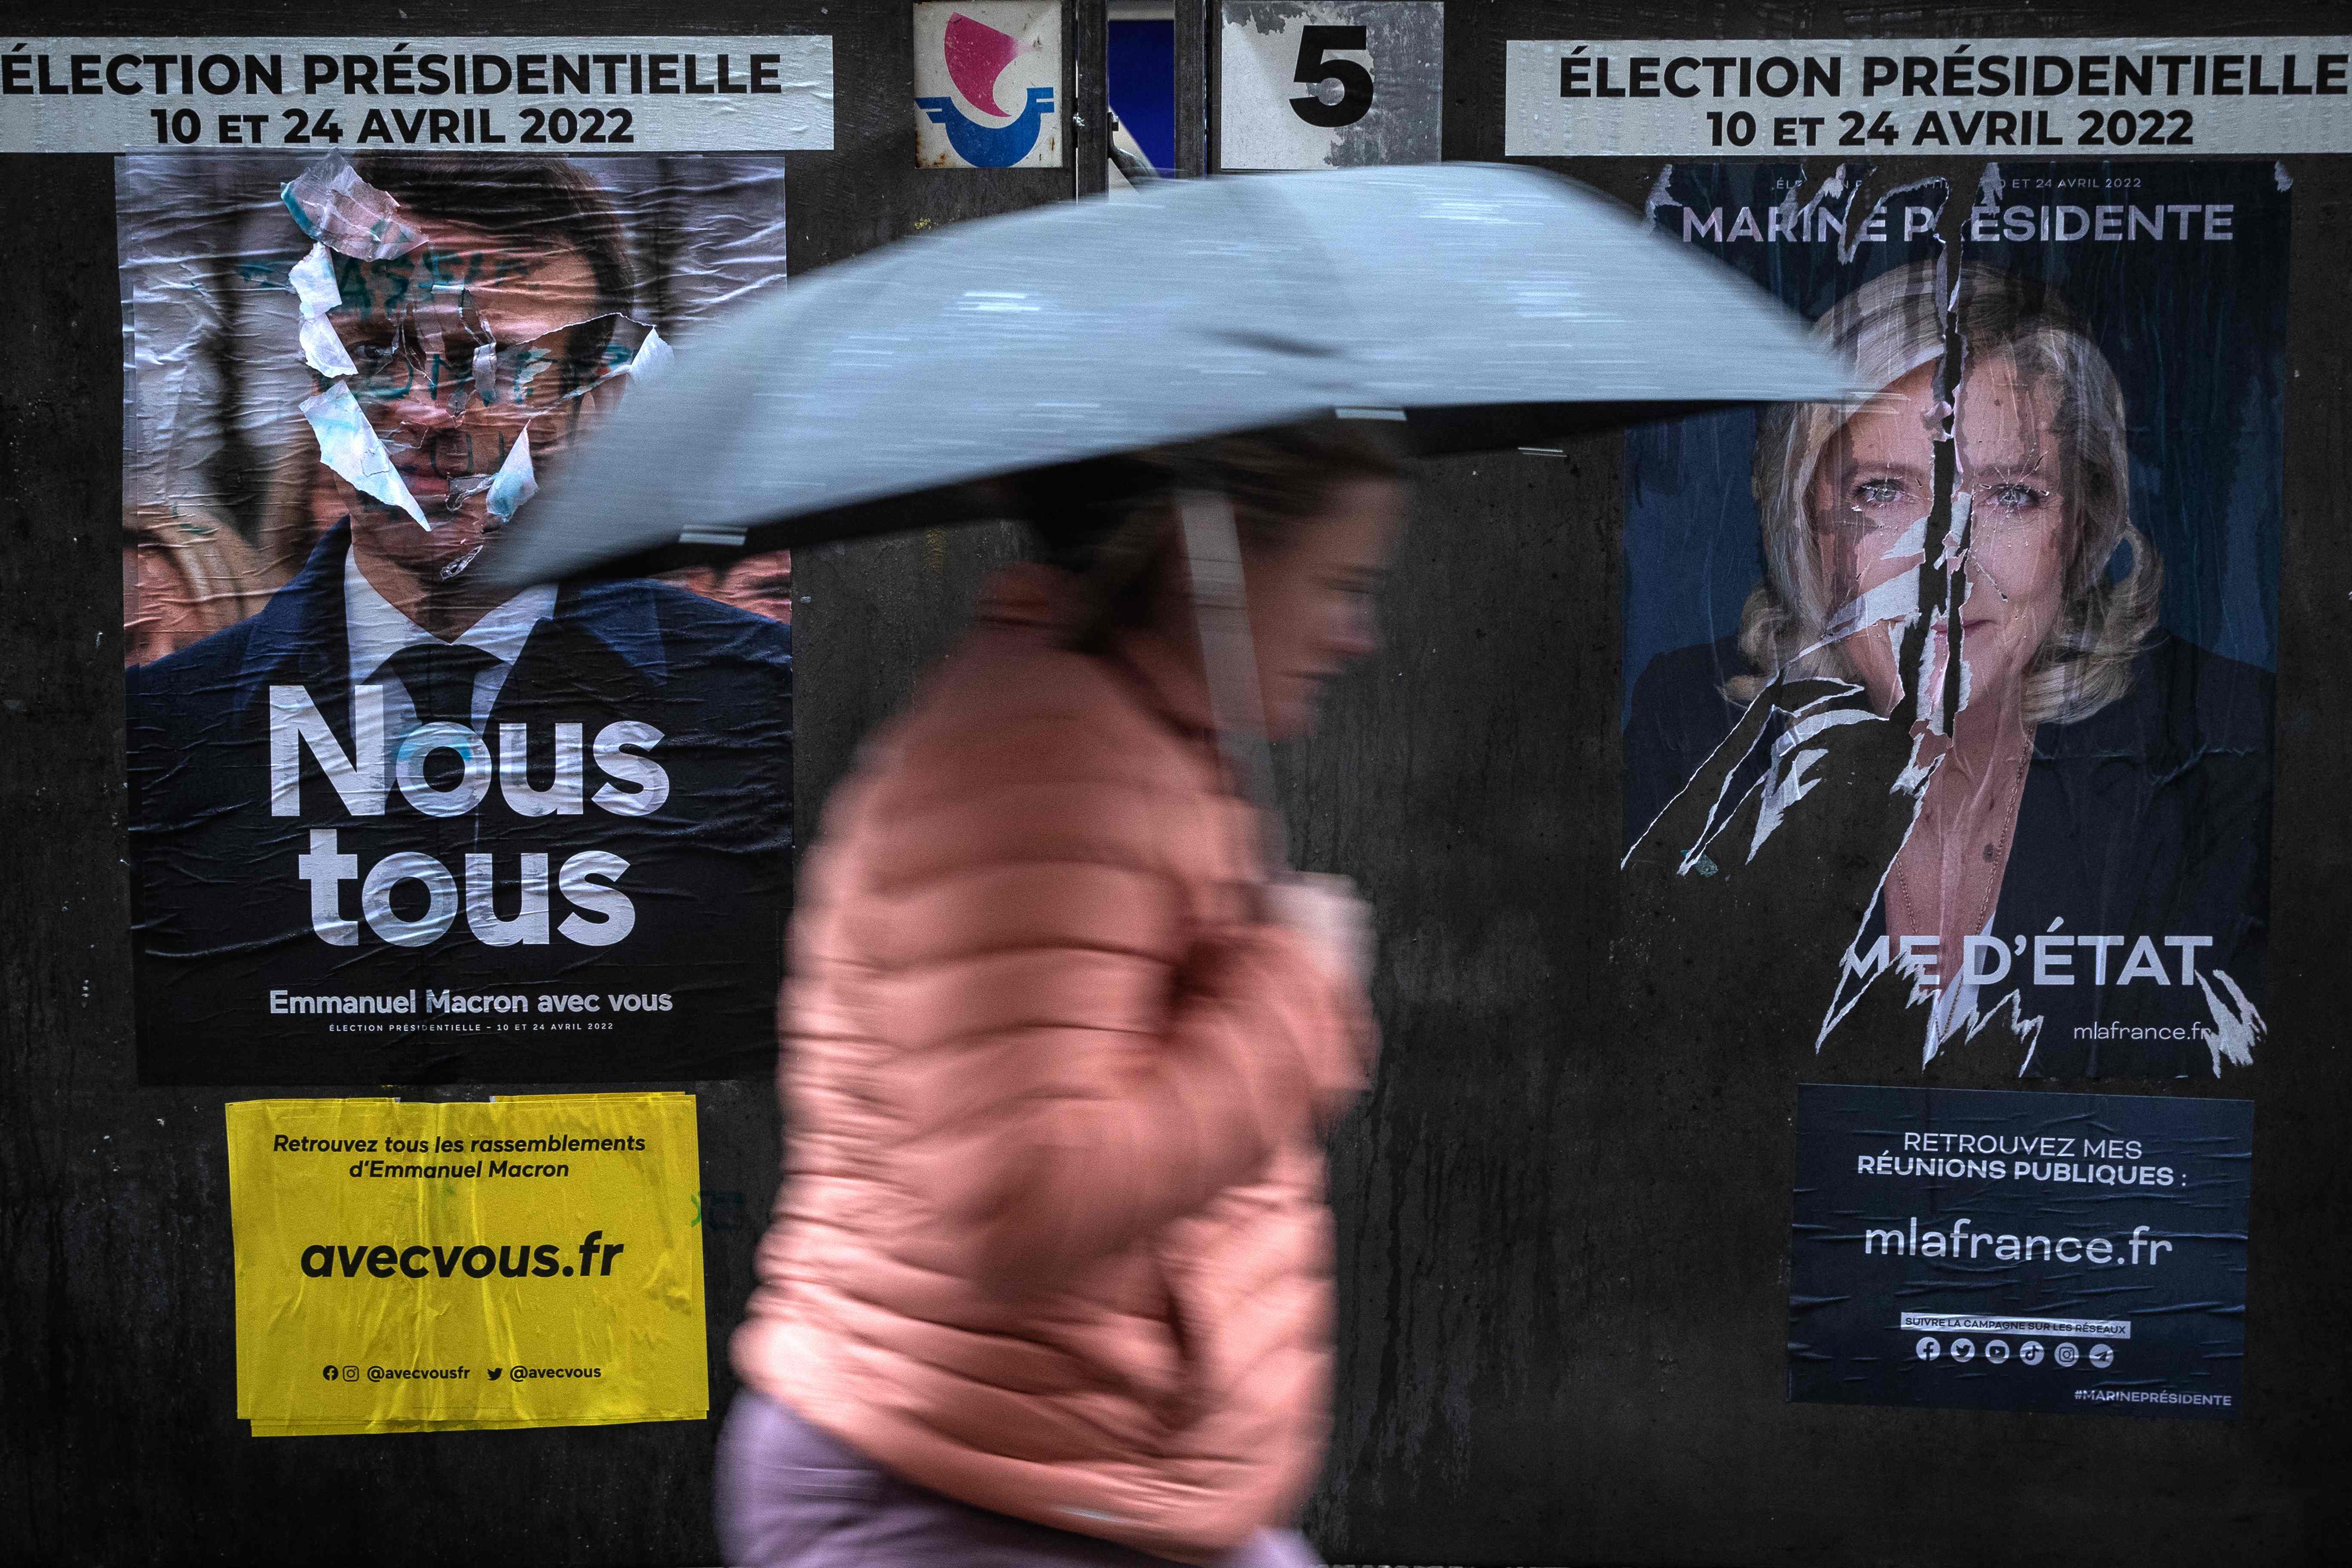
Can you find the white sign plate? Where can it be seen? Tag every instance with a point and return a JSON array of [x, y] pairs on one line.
[[988, 84], [1317, 86], [353, 95], [2048, 96]]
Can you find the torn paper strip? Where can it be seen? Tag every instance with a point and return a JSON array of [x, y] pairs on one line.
[[348, 445], [651, 359], [313, 280], [322, 351], [515, 482], [316, 292], [486, 372], [344, 212]]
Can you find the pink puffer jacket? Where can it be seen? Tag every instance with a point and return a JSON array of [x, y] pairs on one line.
[[1053, 1237]]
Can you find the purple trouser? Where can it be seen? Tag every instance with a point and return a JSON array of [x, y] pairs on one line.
[[791, 1496]]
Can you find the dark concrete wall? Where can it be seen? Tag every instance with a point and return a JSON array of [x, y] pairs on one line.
[[1563, 1210], [117, 1347]]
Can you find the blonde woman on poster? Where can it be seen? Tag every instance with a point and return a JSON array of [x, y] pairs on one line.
[[2099, 775]]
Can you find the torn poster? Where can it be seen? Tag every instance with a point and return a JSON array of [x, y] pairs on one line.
[[2083, 1253], [390, 824], [1991, 654]]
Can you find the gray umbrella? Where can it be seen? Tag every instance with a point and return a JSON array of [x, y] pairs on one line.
[[1487, 306], [1480, 306]]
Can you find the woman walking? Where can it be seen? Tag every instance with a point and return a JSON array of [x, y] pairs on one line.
[[1048, 1281]]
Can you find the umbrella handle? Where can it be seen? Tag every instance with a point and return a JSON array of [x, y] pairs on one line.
[[1212, 556]]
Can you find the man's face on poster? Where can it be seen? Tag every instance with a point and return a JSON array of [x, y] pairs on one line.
[[462, 346]]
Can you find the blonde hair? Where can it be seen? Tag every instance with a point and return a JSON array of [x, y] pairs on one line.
[[223, 580], [1888, 329]]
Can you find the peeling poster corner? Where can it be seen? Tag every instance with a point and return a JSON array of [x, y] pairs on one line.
[[388, 822], [1983, 665]]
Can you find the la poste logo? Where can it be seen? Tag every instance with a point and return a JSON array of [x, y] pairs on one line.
[[988, 78]]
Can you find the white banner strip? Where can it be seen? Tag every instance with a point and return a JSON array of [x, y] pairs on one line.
[[357, 95], [1693, 98]]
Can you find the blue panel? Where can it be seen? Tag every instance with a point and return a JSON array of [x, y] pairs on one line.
[[1144, 86], [2005, 1251]]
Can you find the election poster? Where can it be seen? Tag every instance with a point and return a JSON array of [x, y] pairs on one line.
[[2019, 1251], [1988, 650], [534, 1261], [391, 821]]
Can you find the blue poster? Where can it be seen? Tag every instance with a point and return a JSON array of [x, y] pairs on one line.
[[1990, 650], [2002, 1251], [392, 820]]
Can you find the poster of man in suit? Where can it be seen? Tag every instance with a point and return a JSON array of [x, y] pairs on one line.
[[391, 822]]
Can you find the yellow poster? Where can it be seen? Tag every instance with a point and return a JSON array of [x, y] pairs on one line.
[[532, 1261]]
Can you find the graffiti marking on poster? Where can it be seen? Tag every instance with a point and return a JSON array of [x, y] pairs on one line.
[[2011, 1251], [522, 1262], [389, 820], [1685, 98], [633, 95], [1986, 661]]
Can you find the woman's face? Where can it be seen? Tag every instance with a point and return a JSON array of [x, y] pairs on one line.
[[1310, 601], [1877, 482]]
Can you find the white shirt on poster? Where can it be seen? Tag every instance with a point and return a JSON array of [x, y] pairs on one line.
[[375, 631]]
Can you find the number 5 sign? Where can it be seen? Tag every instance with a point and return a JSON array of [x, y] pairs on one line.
[[1317, 86]]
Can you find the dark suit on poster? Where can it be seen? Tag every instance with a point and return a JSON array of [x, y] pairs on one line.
[[2151, 817], [226, 916]]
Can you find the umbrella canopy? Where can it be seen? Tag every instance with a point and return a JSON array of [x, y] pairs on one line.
[[1487, 306]]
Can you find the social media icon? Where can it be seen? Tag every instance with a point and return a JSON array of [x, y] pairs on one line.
[[2102, 1355], [1996, 1351], [332, 1374], [1963, 1349], [1928, 1349], [496, 1373], [2030, 1352], [351, 1374], [2067, 1356]]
